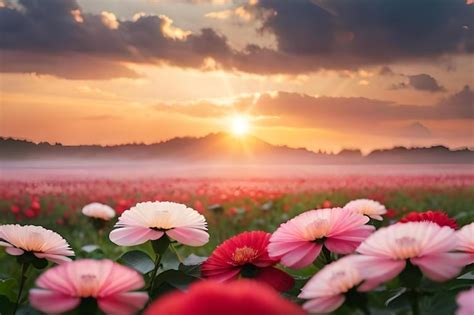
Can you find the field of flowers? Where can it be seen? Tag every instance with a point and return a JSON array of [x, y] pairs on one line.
[[405, 245]]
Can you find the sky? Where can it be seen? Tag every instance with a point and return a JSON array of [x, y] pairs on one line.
[[320, 74]]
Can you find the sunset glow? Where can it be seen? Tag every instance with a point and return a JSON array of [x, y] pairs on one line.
[[240, 126]]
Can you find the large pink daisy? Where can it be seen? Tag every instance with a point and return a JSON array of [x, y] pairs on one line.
[[466, 240], [151, 220], [425, 244], [300, 240], [63, 288], [43, 243], [371, 208], [326, 289]]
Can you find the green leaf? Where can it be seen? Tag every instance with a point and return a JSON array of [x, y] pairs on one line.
[[397, 296], [175, 278], [467, 276], [6, 305], [169, 261], [194, 260], [6, 288], [137, 260], [90, 248]]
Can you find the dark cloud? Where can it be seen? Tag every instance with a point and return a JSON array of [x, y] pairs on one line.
[[386, 71], [421, 82], [48, 29], [424, 82], [311, 35], [344, 33]]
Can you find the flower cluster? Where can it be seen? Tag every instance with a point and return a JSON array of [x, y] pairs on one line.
[[245, 273]]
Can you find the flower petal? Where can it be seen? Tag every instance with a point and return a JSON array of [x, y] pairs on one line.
[[189, 236], [278, 279], [133, 235], [124, 303], [14, 251], [52, 302], [324, 304], [441, 267], [302, 256]]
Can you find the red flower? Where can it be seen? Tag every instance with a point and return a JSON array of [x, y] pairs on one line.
[[235, 298], [438, 217], [246, 255]]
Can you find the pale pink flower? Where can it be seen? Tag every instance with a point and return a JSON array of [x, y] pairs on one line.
[[370, 208], [425, 244], [151, 220], [300, 240], [62, 288], [465, 302], [325, 290], [98, 211], [466, 240], [20, 239]]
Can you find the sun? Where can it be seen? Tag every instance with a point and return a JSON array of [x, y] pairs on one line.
[[240, 125]]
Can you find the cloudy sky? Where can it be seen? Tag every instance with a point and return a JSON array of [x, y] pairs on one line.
[[321, 74]]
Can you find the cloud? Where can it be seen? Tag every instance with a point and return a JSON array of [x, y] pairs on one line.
[[347, 114], [415, 130], [311, 35], [420, 82], [364, 32]]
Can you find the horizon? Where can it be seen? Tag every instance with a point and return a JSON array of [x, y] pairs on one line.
[[306, 74], [243, 140]]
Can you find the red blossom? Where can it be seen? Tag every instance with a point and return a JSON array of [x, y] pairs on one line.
[[246, 255], [236, 298], [438, 217]]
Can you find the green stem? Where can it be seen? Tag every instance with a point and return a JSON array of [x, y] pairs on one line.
[[24, 268], [176, 252], [155, 270], [327, 255], [415, 306]]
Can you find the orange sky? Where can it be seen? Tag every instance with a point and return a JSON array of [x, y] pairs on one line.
[[57, 100]]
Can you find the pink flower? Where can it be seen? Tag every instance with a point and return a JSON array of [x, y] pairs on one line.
[[151, 220], [300, 240], [98, 211], [424, 244], [466, 240], [20, 239], [370, 208], [326, 289], [465, 302], [63, 288]]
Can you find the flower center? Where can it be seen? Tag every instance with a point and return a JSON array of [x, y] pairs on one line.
[[407, 247], [316, 229], [89, 285], [344, 280], [162, 221], [244, 255]]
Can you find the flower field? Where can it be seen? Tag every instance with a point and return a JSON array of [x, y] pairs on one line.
[[404, 245]]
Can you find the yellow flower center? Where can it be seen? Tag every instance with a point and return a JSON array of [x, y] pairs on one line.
[[244, 255], [89, 285], [407, 247], [316, 229]]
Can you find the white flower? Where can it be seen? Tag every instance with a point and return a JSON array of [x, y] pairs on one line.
[[98, 211], [43, 243], [370, 208], [151, 220]]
